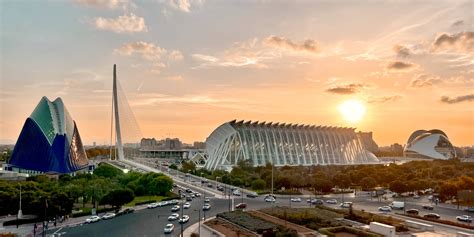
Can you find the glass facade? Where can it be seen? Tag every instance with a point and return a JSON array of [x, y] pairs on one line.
[[284, 144]]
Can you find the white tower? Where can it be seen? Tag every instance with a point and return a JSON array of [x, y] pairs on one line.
[[115, 107]]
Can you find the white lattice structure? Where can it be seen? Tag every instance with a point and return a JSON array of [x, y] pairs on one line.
[[284, 144]]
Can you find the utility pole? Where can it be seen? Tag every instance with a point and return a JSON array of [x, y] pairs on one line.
[[181, 217]]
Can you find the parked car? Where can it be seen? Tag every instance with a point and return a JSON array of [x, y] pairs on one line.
[[385, 209], [209, 185], [331, 201], [220, 188], [428, 207], [252, 195], [184, 219], [192, 195], [189, 190], [464, 218], [206, 200], [125, 211], [297, 199], [206, 207], [413, 212], [432, 216], [175, 208], [416, 196], [152, 205], [168, 228], [188, 198], [241, 206], [108, 215], [173, 202], [173, 217], [236, 192], [92, 219], [187, 205], [197, 194], [161, 204], [346, 204], [469, 209]]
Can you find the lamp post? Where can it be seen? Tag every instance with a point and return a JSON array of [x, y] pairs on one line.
[[199, 221], [20, 213]]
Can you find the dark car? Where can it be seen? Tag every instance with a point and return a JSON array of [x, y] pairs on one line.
[[189, 190], [252, 195], [209, 185], [220, 188], [317, 202], [428, 207], [241, 206], [124, 211], [413, 212], [432, 216], [469, 209], [189, 198]]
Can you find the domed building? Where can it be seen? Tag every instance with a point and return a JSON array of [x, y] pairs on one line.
[[431, 144], [49, 141]]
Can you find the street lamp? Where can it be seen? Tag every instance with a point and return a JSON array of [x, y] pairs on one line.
[[199, 221]]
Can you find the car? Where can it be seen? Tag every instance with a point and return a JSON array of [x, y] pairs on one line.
[[173, 217], [175, 185], [346, 204], [385, 209], [428, 207], [270, 199], [416, 196], [295, 199], [188, 198], [192, 195], [432, 216], [206, 200], [161, 204], [241, 205], [317, 202], [209, 185], [92, 219], [331, 201], [175, 208], [469, 209], [189, 190], [220, 188], [108, 215], [413, 212], [184, 219], [168, 228], [464, 218], [173, 202], [197, 194], [236, 192], [187, 205], [125, 211], [206, 207], [152, 205], [252, 195]]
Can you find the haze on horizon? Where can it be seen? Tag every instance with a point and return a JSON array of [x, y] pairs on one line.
[[188, 66]]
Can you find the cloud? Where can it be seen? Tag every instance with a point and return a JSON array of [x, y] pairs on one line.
[[400, 66], [424, 80], [401, 50], [147, 50], [457, 99], [346, 89], [384, 99], [308, 45], [111, 4], [458, 23], [461, 42], [176, 55], [122, 24], [184, 5]]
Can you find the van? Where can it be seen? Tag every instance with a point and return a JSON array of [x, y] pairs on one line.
[[397, 205]]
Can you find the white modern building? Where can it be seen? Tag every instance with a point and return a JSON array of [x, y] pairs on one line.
[[432, 144], [284, 144]]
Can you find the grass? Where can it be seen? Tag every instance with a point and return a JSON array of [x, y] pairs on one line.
[[145, 198]]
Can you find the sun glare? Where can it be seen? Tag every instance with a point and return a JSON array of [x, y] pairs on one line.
[[352, 110]]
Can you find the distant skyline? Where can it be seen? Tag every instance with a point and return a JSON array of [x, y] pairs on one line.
[[187, 66]]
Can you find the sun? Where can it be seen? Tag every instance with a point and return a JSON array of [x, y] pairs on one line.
[[352, 110]]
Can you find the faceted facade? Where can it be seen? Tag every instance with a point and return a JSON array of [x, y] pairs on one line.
[[284, 144], [432, 144], [49, 141]]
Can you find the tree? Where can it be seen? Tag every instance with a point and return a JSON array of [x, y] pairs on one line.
[[258, 184], [367, 182], [107, 171], [447, 191], [398, 186], [118, 197], [188, 167]]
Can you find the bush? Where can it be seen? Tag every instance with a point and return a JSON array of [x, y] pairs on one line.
[[332, 231], [258, 184], [247, 221]]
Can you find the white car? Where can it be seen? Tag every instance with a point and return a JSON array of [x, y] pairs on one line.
[[464, 218], [197, 194], [108, 215], [270, 199], [173, 217], [346, 204], [206, 207], [152, 205], [161, 204], [175, 208], [206, 200], [385, 209], [236, 192], [184, 219], [187, 205], [295, 199], [331, 201], [168, 228], [92, 219]]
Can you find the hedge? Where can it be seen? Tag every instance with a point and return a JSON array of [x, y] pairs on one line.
[[331, 231]]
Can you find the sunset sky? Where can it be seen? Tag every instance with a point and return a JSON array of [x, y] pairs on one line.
[[188, 66]]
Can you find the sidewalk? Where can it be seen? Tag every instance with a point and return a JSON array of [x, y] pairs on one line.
[[205, 230]]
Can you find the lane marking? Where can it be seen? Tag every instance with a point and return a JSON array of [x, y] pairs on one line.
[[58, 230]]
